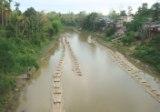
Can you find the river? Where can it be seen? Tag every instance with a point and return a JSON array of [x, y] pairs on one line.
[[101, 85]]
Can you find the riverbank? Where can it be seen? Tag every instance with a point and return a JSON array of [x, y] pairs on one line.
[[43, 55], [128, 52]]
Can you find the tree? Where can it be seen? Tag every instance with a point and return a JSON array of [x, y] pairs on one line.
[[32, 20], [17, 6], [90, 21], [140, 18], [156, 12], [113, 15], [144, 6], [80, 17], [6, 58], [110, 31], [143, 10], [56, 25], [5, 9], [69, 19], [123, 13]]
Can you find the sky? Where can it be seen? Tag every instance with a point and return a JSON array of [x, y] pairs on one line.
[[65, 6]]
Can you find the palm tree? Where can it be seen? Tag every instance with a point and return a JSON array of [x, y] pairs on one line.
[[156, 11]]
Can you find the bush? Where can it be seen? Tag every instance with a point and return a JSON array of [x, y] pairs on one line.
[[136, 24], [150, 53], [25, 61], [128, 38], [16, 55], [56, 25], [6, 56], [6, 84], [108, 38], [110, 31]]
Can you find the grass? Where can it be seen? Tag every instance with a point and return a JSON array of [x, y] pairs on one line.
[[16, 56]]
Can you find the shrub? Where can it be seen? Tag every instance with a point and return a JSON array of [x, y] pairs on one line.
[[110, 31], [6, 84], [56, 25], [149, 53], [128, 38], [6, 56], [108, 38]]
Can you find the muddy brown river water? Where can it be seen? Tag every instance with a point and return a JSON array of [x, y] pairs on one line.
[[103, 86]]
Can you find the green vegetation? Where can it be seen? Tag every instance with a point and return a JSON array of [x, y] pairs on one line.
[[113, 15], [138, 35], [90, 22], [93, 22], [140, 18], [22, 36], [128, 38], [56, 25], [73, 20], [150, 52], [110, 31]]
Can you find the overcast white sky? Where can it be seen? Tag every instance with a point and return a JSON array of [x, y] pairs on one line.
[[102, 6]]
